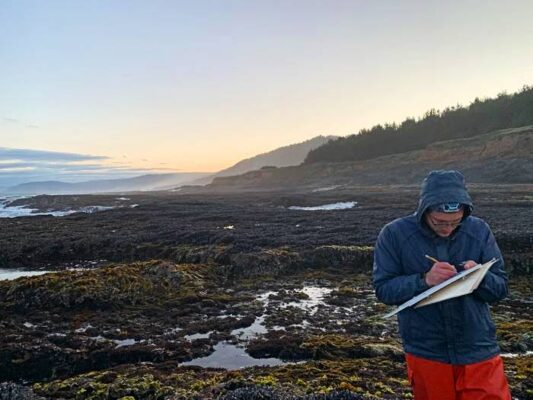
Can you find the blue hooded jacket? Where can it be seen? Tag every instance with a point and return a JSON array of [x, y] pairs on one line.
[[456, 331]]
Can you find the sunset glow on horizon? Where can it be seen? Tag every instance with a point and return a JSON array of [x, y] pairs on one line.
[[200, 85]]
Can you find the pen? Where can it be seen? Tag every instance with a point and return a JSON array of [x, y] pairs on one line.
[[431, 258], [434, 260]]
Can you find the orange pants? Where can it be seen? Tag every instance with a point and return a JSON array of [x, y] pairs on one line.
[[433, 380]]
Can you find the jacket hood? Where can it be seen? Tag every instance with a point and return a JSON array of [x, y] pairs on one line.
[[443, 186]]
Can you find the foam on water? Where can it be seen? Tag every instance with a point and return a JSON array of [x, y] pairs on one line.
[[326, 189], [7, 211]]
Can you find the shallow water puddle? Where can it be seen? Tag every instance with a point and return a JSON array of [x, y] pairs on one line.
[[119, 343], [257, 328], [126, 342], [195, 336], [515, 355], [316, 297], [172, 331], [229, 356], [327, 207], [10, 274]]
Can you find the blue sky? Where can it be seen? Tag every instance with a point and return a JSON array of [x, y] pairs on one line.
[[199, 85]]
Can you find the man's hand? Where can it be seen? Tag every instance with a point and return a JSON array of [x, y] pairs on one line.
[[469, 264], [439, 272]]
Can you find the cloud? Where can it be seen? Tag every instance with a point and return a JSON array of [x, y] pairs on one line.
[[14, 164], [42, 155], [26, 165], [11, 120]]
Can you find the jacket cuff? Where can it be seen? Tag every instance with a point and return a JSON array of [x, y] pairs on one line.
[[421, 284]]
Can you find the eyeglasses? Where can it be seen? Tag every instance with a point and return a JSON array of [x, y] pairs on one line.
[[444, 224]]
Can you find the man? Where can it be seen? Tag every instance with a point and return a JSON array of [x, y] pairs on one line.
[[451, 348]]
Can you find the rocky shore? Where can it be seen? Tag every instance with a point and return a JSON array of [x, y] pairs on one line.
[[226, 297]]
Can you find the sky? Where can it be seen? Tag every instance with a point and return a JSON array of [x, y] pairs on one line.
[[123, 87]]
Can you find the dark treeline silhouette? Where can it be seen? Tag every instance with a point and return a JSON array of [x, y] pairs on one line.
[[482, 116]]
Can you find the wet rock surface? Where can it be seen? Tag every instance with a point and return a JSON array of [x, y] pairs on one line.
[[296, 298], [13, 391], [240, 228], [259, 393]]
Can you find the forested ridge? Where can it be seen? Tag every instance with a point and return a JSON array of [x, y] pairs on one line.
[[481, 116]]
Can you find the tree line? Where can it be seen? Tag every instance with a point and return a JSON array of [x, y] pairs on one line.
[[481, 116]]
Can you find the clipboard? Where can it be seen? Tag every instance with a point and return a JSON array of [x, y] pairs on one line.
[[461, 284]]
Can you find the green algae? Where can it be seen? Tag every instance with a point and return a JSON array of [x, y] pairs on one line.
[[149, 382], [375, 377], [519, 371], [105, 385], [516, 335], [361, 363], [334, 346], [109, 287]]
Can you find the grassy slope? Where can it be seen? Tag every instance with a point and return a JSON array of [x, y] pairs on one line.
[[503, 156]]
